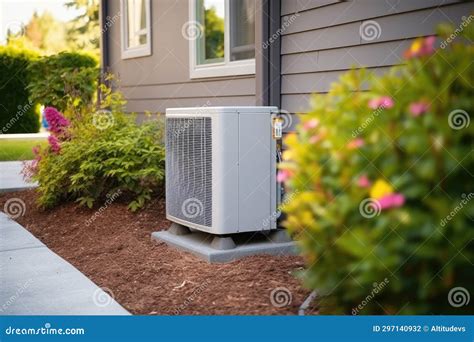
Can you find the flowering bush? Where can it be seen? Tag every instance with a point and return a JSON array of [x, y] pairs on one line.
[[383, 186], [94, 155]]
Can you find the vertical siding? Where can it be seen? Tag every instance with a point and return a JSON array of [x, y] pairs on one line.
[[324, 40], [162, 80]]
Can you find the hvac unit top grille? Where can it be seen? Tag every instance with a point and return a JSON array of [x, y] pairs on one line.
[[189, 169]]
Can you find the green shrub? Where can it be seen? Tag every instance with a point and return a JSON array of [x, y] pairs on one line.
[[100, 154], [64, 80], [17, 113], [382, 185]]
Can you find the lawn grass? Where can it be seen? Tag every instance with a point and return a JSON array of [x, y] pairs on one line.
[[18, 149]]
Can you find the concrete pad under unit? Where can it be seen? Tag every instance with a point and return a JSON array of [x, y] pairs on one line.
[[213, 250]]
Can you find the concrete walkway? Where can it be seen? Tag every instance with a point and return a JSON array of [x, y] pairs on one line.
[[11, 178], [24, 136], [36, 281]]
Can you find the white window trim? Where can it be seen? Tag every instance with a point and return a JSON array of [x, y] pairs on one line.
[[140, 51], [221, 69]]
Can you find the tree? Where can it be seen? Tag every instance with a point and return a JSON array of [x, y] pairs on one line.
[[43, 33], [84, 31], [214, 34]]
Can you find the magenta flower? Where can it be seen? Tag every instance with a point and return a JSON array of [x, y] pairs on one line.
[[384, 102], [394, 200], [418, 108], [54, 144], [363, 181], [283, 176], [313, 123], [56, 121], [356, 143]]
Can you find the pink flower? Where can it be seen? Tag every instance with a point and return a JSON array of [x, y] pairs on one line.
[[394, 200], [384, 102], [283, 176], [313, 123], [315, 139], [57, 123], [363, 181], [418, 108], [356, 143], [36, 150], [54, 144], [421, 47], [428, 46]]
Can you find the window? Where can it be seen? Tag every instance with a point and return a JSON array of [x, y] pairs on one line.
[[135, 28], [223, 41]]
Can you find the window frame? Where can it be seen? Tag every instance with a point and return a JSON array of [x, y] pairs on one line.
[[218, 69], [139, 51]]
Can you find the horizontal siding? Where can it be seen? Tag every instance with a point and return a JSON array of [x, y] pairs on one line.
[[323, 40], [241, 87], [160, 105], [162, 80], [289, 7], [394, 27], [315, 82], [352, 11], [382, 54]]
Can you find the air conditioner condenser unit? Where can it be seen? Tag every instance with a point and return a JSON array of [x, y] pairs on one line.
[[221, 169]]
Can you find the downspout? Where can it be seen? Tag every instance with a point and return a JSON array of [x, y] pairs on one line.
[[103, 46], [267, 53], [104, 39]]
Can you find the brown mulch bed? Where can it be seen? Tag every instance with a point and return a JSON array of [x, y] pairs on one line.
[[116, 252]]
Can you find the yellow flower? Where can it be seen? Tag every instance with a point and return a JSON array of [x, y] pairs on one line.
[[416, 46], [380, 189], [287, 155]]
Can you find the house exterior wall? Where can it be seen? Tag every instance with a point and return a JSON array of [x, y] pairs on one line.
[[324, 41], [162, 80], [320, 40]]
